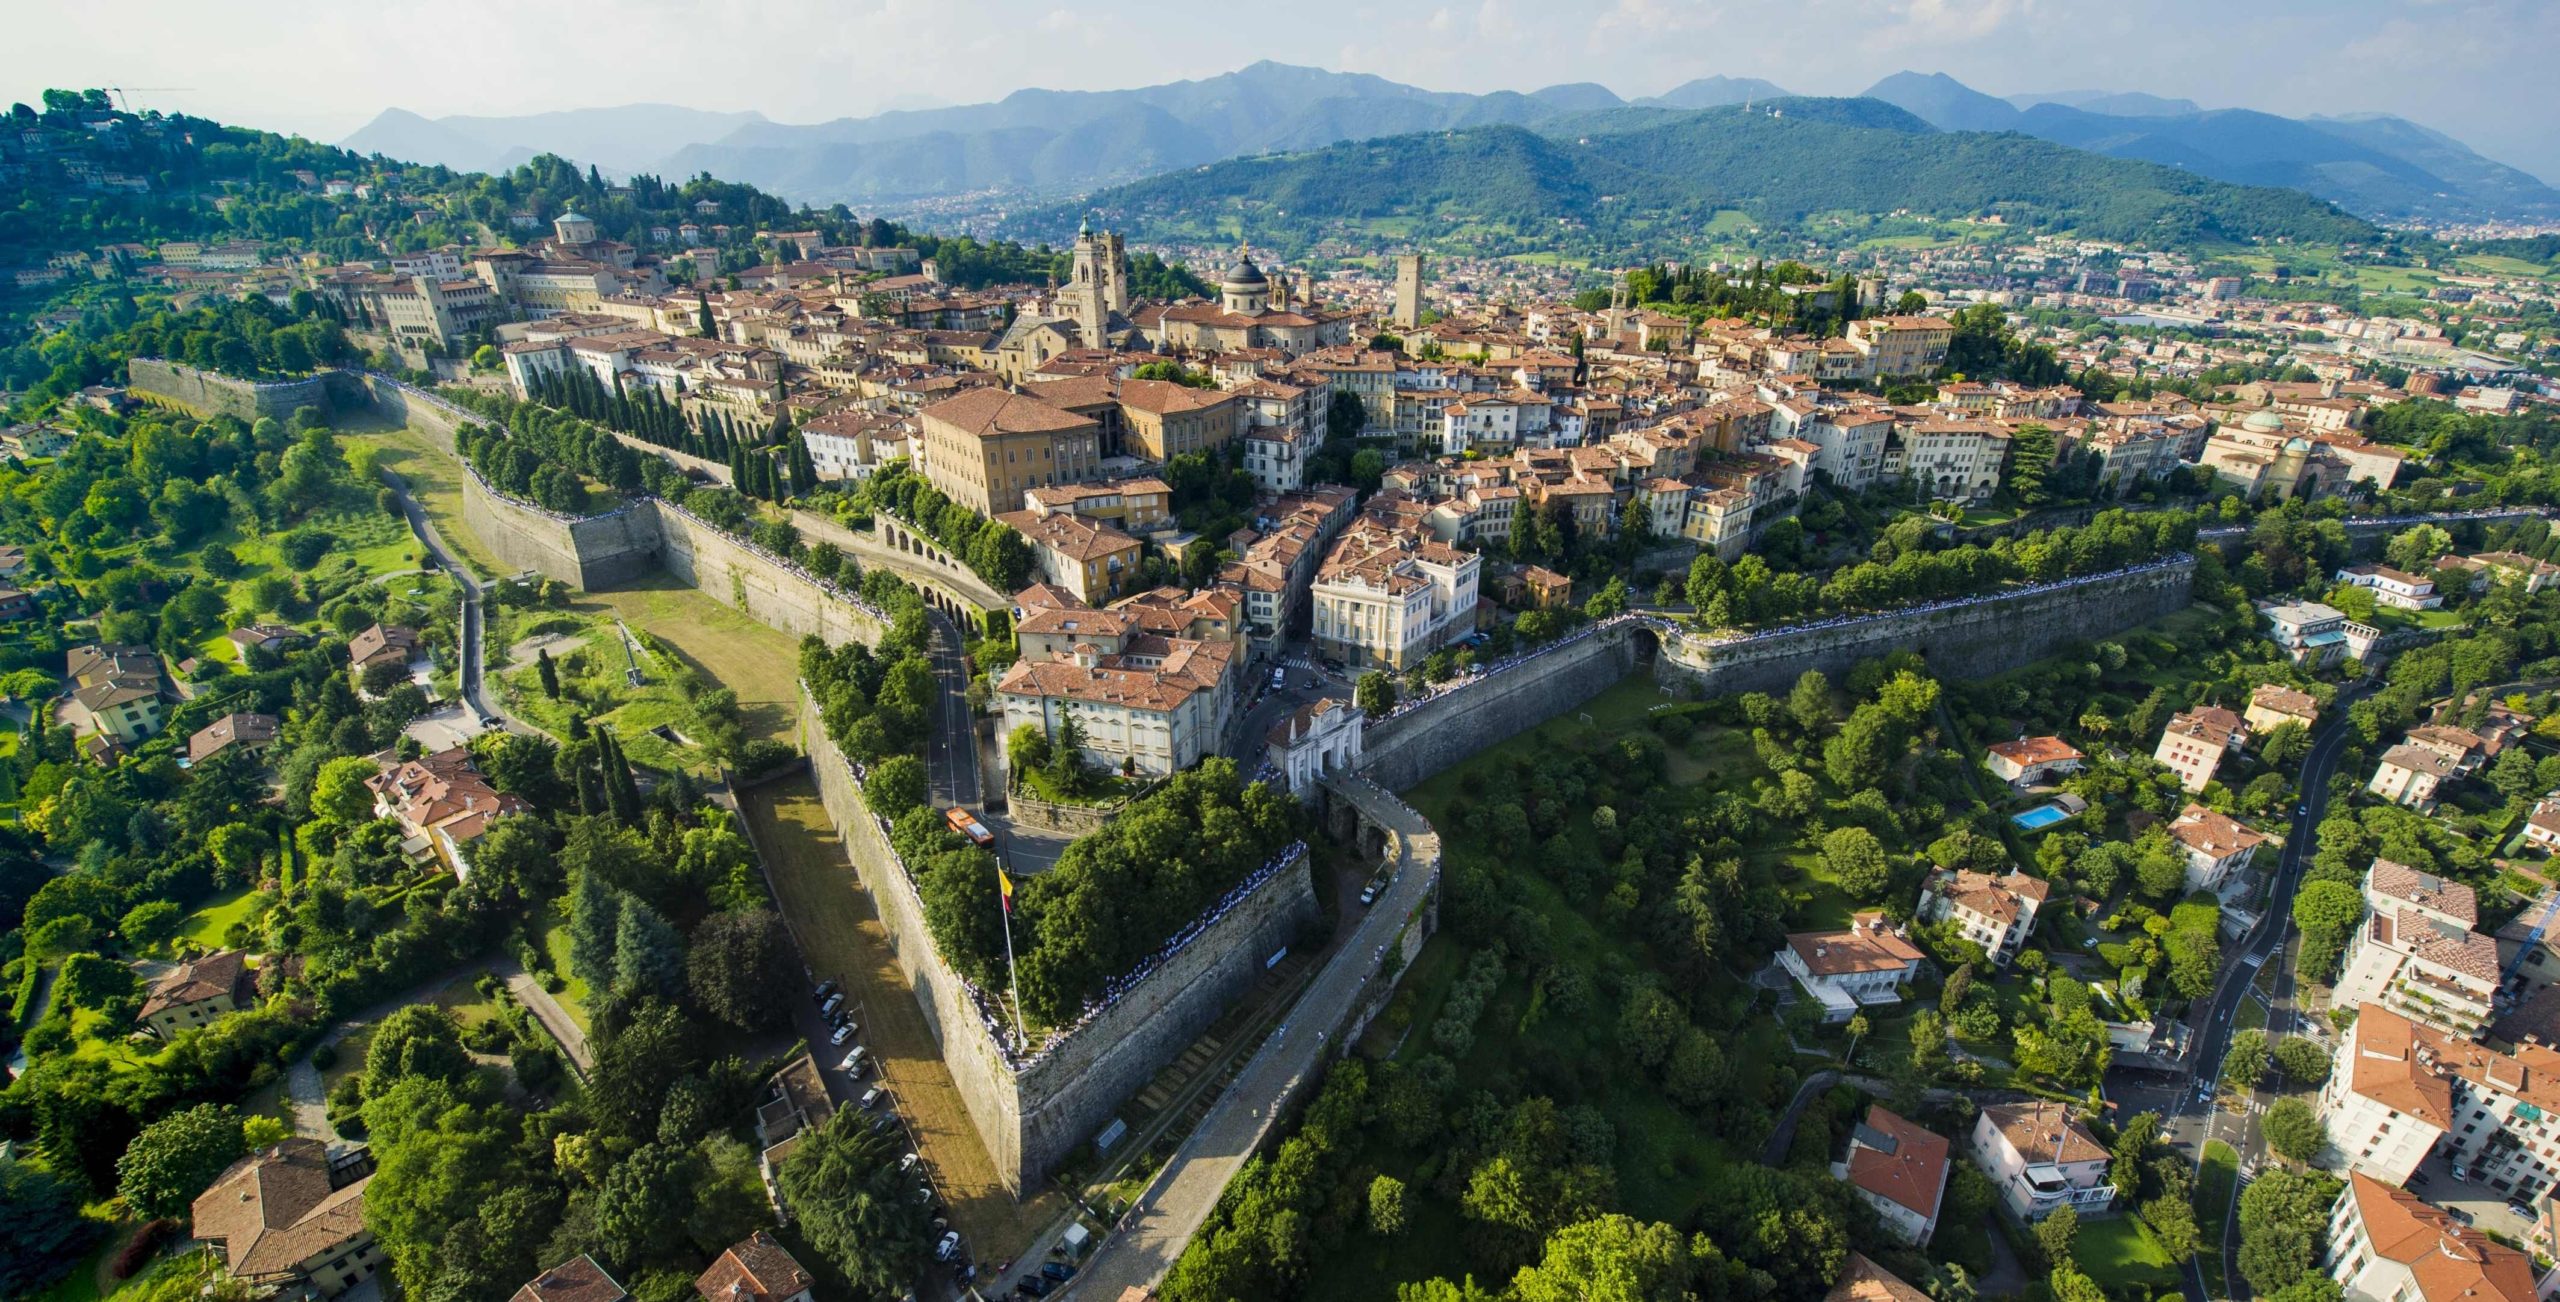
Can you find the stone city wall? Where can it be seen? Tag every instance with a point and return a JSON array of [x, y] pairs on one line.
[[206, 394], [1969, 639], [1402, 751], [589, 552], [1031, 1117], [731, 571]]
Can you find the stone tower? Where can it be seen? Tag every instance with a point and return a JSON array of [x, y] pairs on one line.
[[1408, 290], [1115, 273], [1088, 294]]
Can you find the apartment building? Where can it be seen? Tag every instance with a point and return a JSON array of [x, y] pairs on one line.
[[1844, 971], [986, 447], [1388, 595], [1899, 1169], [2041, 1159], [2417, 953], [2195, 742], [1902, 345], [1142, 504], [1995, 912], [2388, 1245], [2404, 1089]]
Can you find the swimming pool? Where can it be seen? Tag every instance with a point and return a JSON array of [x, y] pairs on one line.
[[2040, 816]]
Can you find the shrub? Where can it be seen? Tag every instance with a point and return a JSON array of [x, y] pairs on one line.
[[138, 1251]]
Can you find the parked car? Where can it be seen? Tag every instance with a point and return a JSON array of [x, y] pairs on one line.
[[853, 1062], [884, 1121], [843, 1033], [833, 1002], [908, 1163], [2522, 1208], [2458, 1214], [826, 988], [873, 1097], [1279, 678], [1059, 1271], [1033, 1286], [948, 1247]]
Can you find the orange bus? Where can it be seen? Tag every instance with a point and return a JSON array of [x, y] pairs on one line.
[[967, 824]]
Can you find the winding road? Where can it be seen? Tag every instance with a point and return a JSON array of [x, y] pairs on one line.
[[473, 651]]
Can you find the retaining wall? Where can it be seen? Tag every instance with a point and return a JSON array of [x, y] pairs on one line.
[[1399, 753], [1971, 640], [729, 571], [206, 394], [590, 553], [1031, 1118]]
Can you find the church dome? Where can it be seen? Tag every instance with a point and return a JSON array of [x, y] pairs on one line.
[[2263, 421], [1245, 275]]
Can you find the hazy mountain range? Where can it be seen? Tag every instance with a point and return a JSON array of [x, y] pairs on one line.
[[2381, 167], [1061, 142]]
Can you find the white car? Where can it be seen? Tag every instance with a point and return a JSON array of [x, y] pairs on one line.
[[843, 1033], [949, 1247], [873, 1097], [852, 1061]]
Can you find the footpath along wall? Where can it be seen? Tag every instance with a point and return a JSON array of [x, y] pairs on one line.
[[1031, 1111]]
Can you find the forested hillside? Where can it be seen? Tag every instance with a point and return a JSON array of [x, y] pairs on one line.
[[1810, 157]]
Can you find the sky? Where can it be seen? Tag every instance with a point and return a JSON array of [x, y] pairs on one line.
[[2471, 68]]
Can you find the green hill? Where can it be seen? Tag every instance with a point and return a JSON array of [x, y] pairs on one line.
[[1628, 183]]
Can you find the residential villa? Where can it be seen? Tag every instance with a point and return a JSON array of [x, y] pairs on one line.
[[2032, 761], [579, 1279], [2041, 1159], [238, 733], [2398, 589], [2217, 847], [756, 1269], [2272, 705], [1899, 1169], [442, 804], [195, 993], [2194, 743], [2408, 774], [1860, 1280], [1995, 912], [2312, 635], [1867, 964], [291, 1217]]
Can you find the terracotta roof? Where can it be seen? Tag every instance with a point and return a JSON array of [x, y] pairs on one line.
[[2435, 894], [2027, 752], [1165, 398], [1862, 1280], [754, 1269], [579, 1279], [1898, 1161], [1869, 945], [2450, 1261], [2285, 700], [2462, 950], [2002, 897], [1047, 596], [383, 642], [275, 1209], [2387, 1068], [1068, 534], [2045, 1131], [209, 977], [2418, 759], [2208, 832], [991, 411]]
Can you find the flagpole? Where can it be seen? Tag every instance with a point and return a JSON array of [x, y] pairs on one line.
[[1012, 980]]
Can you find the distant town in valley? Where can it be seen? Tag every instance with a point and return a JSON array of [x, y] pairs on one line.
[[1274, 688]]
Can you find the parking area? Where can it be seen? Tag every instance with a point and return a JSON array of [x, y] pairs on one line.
[[2478, 1202], [443, 729]]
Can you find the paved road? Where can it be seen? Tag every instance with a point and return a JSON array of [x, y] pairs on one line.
[[1181, 1196], [471, 689], [2267, 944], [951, 750], [547, 1010]]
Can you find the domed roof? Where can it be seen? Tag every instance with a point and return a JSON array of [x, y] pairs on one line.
[[1245, 275], [2263, 421], [570, 215]]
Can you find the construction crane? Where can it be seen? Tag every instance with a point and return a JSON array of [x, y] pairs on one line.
[[123, 107]]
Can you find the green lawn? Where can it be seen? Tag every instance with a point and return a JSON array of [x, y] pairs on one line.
[[573, 996], [207, 926], [2121, 1251], [2217, 1184]]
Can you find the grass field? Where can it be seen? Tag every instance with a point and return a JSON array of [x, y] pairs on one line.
[[2122, 1251], [2217, 1184], [435, 479], [761, 664], [841, 937], [206, 926]]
